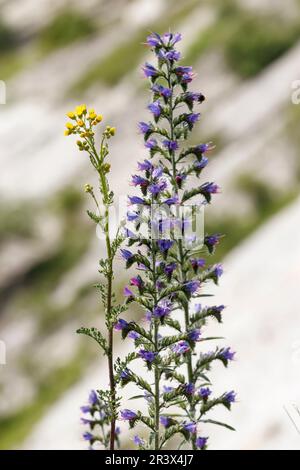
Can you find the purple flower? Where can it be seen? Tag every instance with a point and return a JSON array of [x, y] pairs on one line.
[[129, 234], [136, 200], [136, 281], [176, 38], [192, 286], [87, 436], [125, 374], [144, 127], [162, 309], [192, 118], [146, 165], [154, 40], [211, 241], [133, 335], [169, 268], [162, 91], [170, 39], [197, 308], [86, 421], [201, 442], [210, 188], [218, 309], [218, 270], [230, 397], [164, 421], [171, 145], [157, 188], [203, 148], [181, 347], [131, 216], [197, 263], [185, 74], [138, 441], [179, 179], [191, 427], [151, 144], [169, 55], [168, 389], [128, 415], [126, 254], [127, 292], [157, 172], [171, 200], [228, 354], [148, 356], [150, 71], [141, 267], [190, 97], [155, 108], [93, 398], [121, 324], [139, 181], [148, 397], [194, 335], [164, 245], [85, 408], [189, 388], [199, 165], [204, 392]]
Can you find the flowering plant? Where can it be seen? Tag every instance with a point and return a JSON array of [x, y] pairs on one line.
[[103, 405], [172, 272], [171, 268]]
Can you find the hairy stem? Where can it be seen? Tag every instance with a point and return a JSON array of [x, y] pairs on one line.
[[156, 369], [180, 247], [112, 385]]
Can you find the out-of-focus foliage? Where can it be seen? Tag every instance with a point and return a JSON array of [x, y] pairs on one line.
[[8, 38], [257, 41], [66, 27]]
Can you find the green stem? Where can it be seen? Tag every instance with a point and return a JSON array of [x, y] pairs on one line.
[[112, 385], [156, 369], [181, 251]]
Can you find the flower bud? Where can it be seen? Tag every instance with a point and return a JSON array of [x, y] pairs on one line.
[[106, 168], [88, 188]]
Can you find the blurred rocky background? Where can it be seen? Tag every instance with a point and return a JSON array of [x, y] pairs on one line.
[[56, 54]]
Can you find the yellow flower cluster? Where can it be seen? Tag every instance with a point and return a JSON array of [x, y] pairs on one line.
[[83, 121]]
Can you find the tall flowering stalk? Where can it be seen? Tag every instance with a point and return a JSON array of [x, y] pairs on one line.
[[103, 405], [172, 273]]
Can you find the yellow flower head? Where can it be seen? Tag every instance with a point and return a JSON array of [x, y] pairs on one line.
[[80, 110], [71, 115], [92, 114], [70, 126]]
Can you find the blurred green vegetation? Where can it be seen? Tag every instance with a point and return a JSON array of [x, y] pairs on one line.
[[125, 57], [8, 38], [66, 27], [257, 41], [10, 61], [266, 203], [16, 221], [250, 41], [14, 429], [74, 242]]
